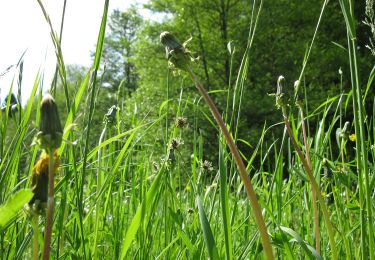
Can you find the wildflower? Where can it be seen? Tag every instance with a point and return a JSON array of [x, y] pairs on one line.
[[206, 166], [180, 122], [39, 182], [352, 137], [50, 130]]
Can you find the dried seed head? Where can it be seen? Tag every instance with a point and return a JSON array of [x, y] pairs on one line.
[[50, 130], [180, 122]]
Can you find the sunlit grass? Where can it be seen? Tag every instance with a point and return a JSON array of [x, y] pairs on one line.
[[114, 200]]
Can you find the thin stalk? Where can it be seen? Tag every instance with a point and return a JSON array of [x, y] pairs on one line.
[[314, 186], [50, 206], [313, 191], [98, 187], [241, 167], [365, 198], [34, 223]]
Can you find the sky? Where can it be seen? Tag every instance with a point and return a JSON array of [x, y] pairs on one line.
[[24, 28]]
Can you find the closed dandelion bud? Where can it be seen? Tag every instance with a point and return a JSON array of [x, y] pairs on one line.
[[110, 117], [177, 54], [50, 130], [170, 42]]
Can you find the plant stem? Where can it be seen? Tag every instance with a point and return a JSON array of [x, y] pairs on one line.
[[313, 191], [50, 206], [98, 187], [241, 168], [34, 223], [314, 186]]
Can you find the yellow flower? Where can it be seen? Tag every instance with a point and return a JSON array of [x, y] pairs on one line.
[[39, 182], [352, 137]]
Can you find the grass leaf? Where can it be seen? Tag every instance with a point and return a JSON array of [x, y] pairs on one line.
[[207, 232], [11, 208]]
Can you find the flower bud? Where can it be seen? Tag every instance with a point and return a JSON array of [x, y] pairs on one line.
[[176, 53], [50, 130], [110, 117]]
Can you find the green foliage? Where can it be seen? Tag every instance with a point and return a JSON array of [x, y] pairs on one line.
[[122, 193], [118, 52], [11, 208]]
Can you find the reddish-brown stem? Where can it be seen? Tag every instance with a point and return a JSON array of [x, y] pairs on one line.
[[241, 169], [50, 206]]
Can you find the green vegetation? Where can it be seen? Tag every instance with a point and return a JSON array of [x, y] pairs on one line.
[[148, 169]]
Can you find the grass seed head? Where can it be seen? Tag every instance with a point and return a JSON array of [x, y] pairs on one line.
[[180, 122], [175, 143], [206, 166], [50, 130]]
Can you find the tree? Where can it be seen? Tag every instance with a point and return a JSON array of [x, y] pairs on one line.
[[118, 53]]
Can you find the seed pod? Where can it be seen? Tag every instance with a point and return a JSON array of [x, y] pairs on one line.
[[50, 130]]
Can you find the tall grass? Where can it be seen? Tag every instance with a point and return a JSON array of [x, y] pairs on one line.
[[113, 202]]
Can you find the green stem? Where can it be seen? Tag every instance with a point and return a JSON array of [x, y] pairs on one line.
[[34, 223], [98, 187], [314, 186], [365, 198], [313, 191], [241, 168]]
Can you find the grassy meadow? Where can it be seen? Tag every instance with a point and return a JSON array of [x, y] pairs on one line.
[[311, 189]]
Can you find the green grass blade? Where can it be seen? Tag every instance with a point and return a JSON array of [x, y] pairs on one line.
[[207, 232], [309, 250], [136, 221], [224, 201]]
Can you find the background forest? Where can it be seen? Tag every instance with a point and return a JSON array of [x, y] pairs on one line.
[[145, 170], [134, 74]]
